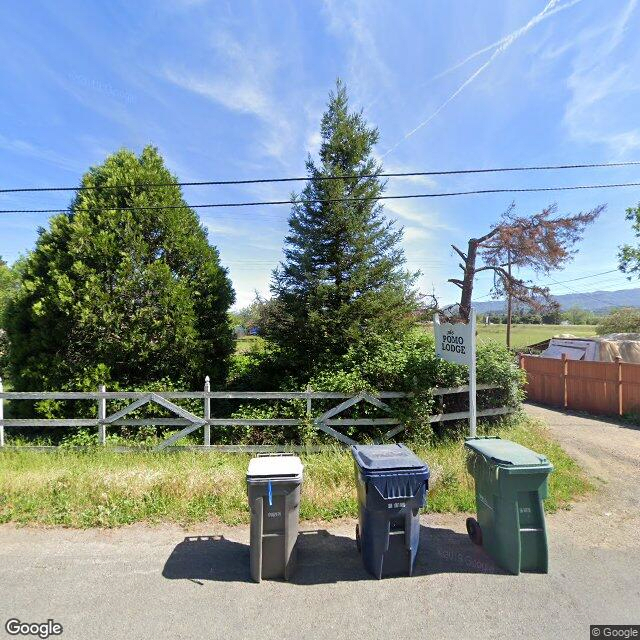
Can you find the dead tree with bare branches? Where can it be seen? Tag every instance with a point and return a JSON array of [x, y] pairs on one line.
[[541, 242]]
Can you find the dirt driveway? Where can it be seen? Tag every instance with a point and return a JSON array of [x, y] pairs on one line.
[[163, 582], [610, 452]]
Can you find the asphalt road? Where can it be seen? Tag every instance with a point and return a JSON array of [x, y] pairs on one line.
[[141, 582]]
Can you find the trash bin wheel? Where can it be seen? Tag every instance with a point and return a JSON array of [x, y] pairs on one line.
[[358, 543], [474, 531]]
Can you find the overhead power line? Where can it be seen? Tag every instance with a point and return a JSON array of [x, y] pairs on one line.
[[593, 275], [562, 282], [607, 303], [265, 203], [408, 174]]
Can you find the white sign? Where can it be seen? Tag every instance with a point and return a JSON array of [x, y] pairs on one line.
[[457, 343], [453, 342]]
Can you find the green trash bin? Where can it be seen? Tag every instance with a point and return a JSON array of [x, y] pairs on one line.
[[511, 483]]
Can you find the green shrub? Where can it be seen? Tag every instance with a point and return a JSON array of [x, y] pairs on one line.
[[625, 320], [148, 435], [409, 365], [140, 290]]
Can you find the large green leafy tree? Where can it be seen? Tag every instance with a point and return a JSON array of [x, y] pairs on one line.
[[132, 295], [343, 281], [629, 255], [8, 285]]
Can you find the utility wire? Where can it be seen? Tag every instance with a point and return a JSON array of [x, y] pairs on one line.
[[561, 282], [329, 200], [589, 295], [593, 275], [582, 293], [409, 174]]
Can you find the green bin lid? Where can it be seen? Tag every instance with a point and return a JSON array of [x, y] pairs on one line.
[[506, 452]]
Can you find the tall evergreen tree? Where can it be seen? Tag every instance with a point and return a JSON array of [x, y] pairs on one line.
[[8, 285], [343, 280], [134, 295]]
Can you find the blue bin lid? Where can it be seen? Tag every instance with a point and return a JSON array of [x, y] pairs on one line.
[[506, 452], [386, 457]]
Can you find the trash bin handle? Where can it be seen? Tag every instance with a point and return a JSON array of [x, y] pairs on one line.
[[398, 497], [275, 454]]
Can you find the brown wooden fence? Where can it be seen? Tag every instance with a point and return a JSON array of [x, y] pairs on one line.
[[607, 388]]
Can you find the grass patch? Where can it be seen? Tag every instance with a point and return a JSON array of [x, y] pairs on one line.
[[452, 489], [523, 335], [247, 344], [100, 488]]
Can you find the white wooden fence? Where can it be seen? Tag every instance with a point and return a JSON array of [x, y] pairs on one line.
[[327, 421]]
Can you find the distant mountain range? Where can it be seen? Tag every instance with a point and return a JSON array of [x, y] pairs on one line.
[[597, 301]]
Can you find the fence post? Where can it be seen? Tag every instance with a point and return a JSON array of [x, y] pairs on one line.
[[564, 380], [207, 413], [102, 414], [619, 363], [1, 416], [309, 401]]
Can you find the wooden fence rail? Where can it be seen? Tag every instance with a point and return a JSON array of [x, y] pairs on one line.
[[191, 422], [605, 388]]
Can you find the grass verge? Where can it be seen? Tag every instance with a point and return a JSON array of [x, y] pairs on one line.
[[99, 488], [523, 335]]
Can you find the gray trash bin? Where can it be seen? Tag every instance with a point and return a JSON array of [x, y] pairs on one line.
[[273, 485]]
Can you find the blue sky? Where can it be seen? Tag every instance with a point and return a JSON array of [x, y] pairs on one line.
[[236, 89]]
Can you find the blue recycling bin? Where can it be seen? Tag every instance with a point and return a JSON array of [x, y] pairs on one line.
[[392, 485]]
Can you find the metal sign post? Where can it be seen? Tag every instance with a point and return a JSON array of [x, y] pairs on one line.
[[472, 377], [457, 343]]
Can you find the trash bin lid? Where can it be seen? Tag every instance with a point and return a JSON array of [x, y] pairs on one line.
[[506, 452], [386, 457], [265, 467]]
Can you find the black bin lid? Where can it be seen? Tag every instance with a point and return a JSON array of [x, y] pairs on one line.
[[386, 457]]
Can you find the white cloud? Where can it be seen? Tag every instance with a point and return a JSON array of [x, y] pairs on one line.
[[220, 229], [412, 234], [605, 89], [30, 150], [245, 86], [425, 182], [314, 140], [235, 94], [546, 13], [249, 281], [352, 21], [501, 47], [417, 214]]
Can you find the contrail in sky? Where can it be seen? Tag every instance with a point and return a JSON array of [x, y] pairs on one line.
[[546, 13], [500, 47]]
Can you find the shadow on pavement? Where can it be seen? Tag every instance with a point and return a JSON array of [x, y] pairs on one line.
[[199, 558], [323, 558], [447, 551]]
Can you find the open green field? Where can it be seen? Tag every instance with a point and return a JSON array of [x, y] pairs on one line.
[[526, 334], [101, 488], [522, 335], [249, 343]]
